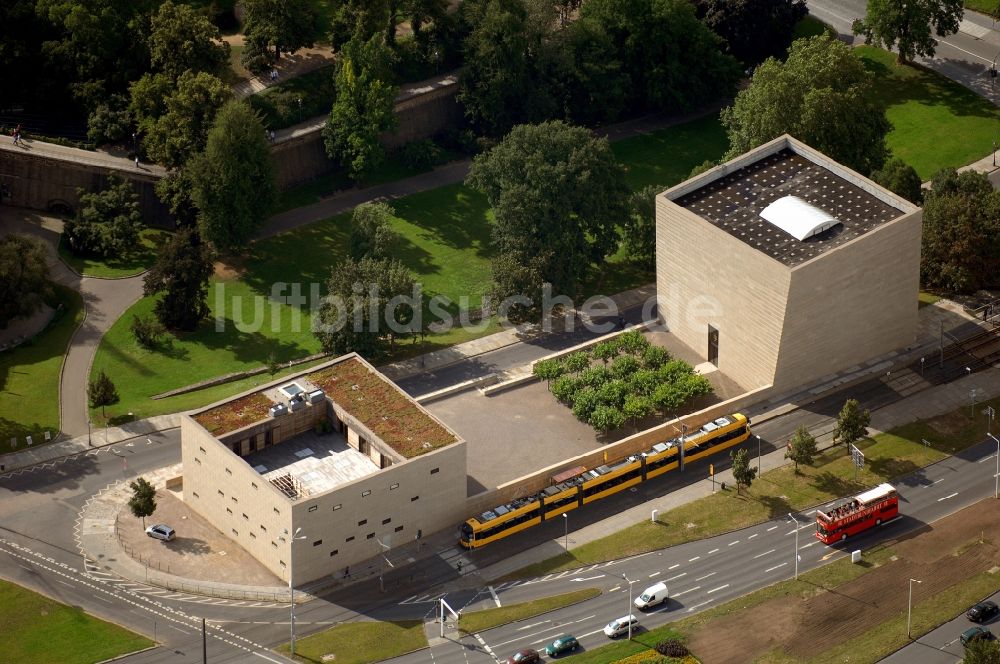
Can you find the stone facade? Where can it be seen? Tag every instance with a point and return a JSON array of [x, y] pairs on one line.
[[787, 325], [344, 525]]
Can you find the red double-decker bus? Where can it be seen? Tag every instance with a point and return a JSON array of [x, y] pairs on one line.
[[854, 515]]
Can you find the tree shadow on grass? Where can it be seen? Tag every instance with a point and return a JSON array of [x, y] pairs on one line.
[[831, 484], [892, 468], [776, 506]]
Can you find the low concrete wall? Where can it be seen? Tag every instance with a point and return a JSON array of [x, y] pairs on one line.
[[640, 442]]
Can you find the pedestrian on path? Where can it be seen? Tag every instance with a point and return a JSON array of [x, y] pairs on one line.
[[17, 134]]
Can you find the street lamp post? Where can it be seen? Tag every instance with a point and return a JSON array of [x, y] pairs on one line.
[[758, 455], [909, 607], [996, 477], [629, 613], [796, 522], [566, 540], [90, 443], [300, 108], [291, 583]]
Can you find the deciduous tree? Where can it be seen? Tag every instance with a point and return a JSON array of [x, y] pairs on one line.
[[108, 222], [143, 500], [24, 277], [852, 423], [101, 392], [181, 272], [960, 251], [234, 184], [364, 107], [820, 95], [182, 39], [284, 25], [900, 178], [359, 313], [908, 26], [558, 194], [743, 472], [639, 236], [371, 231], [753, 30], [181, 131], [801, 448]]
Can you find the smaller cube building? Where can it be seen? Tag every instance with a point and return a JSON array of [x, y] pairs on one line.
[[338, 451], [782, 267]]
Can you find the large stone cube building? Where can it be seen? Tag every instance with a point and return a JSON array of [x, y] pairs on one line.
[[338, 451], [782, 267]]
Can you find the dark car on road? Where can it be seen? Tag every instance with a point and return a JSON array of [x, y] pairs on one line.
[[977, 633], [526, 656], [983, 611], [564, 644]]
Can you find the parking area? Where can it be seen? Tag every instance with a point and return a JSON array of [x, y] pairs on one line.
[[520, 430], [198, 552]]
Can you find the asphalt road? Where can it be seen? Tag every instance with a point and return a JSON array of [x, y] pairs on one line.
[[941, 646], [709, 572], [964, 57]]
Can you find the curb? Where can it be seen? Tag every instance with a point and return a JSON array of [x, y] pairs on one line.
[[456, 388], [128, 654]]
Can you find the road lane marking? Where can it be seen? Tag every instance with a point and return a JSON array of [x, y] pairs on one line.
[[948, 496], [689, 590], [673, 567], [761, 555], [691, 560], [712, 551], [771, 528], [695, 606], [65, 584], [986, 458], [771, 569], [611, 590], [654, 574], [731, 543], [752, 536], [677, 576], [706, 576], [521, 629], [806, 546], [716, 589], [495, 598]]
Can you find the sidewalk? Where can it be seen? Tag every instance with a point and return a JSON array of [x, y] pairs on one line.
[[99, 437]]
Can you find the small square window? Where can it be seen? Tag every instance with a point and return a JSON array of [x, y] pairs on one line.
[[385, 521], [362, 522], [233, 498], [253, 484], [337, 507], [334, 552], [370, 536], [252, 536], [228, 472], [313, 508], [350, 539], [202, 449], [366, 492], [221, 494], [195, 494], [276, 511], [394, 485], [317, 542], [398, 529], [282, 563], [229, 510], [245, 516], [234, 532], [435, 471], [197, 461], [414, 499], [274, 544]]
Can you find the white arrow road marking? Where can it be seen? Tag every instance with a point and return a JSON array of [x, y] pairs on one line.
[[589, 578]]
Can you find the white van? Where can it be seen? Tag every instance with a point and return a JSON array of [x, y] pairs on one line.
[[651, 596]]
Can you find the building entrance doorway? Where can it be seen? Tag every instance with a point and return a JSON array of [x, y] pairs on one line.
[[713, 345]]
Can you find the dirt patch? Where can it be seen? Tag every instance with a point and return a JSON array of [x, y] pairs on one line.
[[228, 270], [944, 554], [949, 424]]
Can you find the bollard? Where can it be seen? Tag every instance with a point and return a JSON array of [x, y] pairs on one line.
[[655, 514]]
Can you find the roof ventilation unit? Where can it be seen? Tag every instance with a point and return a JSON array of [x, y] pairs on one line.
[[278, 410], [799, 219], [316, 396]]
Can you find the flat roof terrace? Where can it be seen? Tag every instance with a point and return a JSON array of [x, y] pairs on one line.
[[734, 202], [311, 463]]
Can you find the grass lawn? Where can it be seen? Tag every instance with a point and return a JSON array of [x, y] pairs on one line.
[[924, 107], [360, 642], [123, 266], [666, 157], [811, 26], [38, 630], [925, 299], [29, 375], [982, 6], [774, 494], [480, 621]]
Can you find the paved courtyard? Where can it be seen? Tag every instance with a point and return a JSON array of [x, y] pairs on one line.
[[198, 552], [518, 431]]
